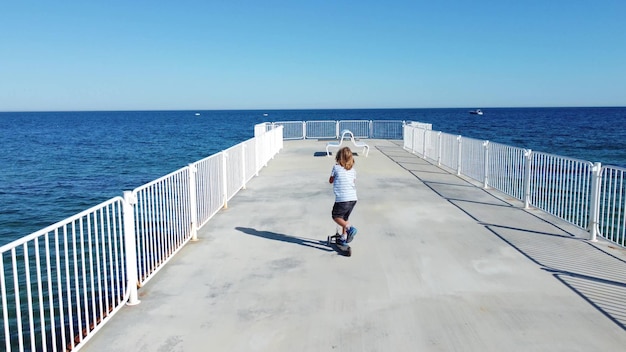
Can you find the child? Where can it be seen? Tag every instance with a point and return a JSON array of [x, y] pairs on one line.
[[343, 178]]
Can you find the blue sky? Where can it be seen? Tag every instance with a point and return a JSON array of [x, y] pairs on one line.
[[150, 55]]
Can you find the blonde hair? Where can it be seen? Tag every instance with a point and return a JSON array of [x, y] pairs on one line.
[[344, 158]]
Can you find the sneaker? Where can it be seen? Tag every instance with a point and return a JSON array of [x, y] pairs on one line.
[[351, 233]]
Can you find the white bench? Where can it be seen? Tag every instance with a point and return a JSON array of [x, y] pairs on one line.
[[347, 134]]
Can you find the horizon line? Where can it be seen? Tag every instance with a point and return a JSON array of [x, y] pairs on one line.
[[304, 109]]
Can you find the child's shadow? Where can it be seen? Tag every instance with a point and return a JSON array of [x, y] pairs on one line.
[[321, 245]]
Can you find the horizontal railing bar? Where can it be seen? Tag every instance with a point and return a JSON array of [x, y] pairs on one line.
[[56, 225]]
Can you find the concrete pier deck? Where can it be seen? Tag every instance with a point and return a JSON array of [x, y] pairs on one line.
[[439, 264]]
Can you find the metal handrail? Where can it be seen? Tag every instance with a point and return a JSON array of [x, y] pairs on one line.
[[59, 285], [331, 129], [588, 195], [80, 272]]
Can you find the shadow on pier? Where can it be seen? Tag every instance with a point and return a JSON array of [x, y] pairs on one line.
[[591, 270], [317, 244]]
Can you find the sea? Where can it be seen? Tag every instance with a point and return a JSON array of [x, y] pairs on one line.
[[56, 164]]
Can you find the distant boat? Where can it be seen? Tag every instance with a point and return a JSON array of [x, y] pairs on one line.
[[197, 114], [476, 112], [264, 114]]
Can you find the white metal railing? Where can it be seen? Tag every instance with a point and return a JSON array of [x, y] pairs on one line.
[[561, 187], [449, 151], [418, 140], [431, 144], [233, 170], [330, 129], [587, 195], [611, 204], [293, 129], [506, 169], [59, 285], [384, 129], [261, 128], [162, 221], [473, 158], [209, 194], [168, 210], [421, 125], [359, 128]]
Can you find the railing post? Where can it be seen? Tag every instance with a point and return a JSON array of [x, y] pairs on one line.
[[304, 130], [486, 155], [225, 178], [193, 203], [266, 145], [130, 244], [257, 164], [267, 148], [337, 129], [458, 162], [594, 211], [272, 145], [280, 136], [424, 144], [528, 154], [413, 130], [243, 166], [439, 147], [371, 129]]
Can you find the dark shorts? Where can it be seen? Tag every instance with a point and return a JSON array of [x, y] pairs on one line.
[[343, 209]]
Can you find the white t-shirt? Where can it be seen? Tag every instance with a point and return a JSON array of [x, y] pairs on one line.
[[344, 184]]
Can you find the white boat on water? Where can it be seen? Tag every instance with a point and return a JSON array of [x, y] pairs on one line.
[[476, 112]]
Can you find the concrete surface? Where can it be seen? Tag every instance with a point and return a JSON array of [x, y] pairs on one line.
[[438, 265]]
